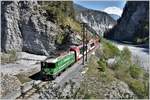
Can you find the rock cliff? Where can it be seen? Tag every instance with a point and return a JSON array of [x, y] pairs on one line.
[[133, 24], [26, 26], [97, 20]]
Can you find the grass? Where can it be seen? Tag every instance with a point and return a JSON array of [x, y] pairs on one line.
[[109, 50], [132, 74], [139, 88], [126, 54], [60, 39], [93, 62], [94, 78], [135, 71], [58, 13], [73, 23], [102, 65], [123, 70]]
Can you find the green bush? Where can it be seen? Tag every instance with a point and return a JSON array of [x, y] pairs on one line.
[[125, 54], [135, 71], [102, 65], [109, 49], [62, 13], [60, 39], [138, 88], [121, 70], [120, 64], [133, 75]]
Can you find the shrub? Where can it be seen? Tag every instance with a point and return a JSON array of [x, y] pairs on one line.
[[73, 23], [125, 54], [109, 49], [146, 76], [122, 71], [62, 13], [60, 39], [135, 71], [106, 77], [92, 65], [120, 64], [138, 88], [99, 53], [102, 65]]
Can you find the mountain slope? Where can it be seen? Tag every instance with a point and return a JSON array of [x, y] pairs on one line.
[[133, 26], [97, 20]]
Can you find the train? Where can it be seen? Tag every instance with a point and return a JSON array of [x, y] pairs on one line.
[[52, 67]]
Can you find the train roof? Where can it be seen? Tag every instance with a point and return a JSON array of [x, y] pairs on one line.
[[56, 59]]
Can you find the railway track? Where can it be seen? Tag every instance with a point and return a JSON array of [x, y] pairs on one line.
[[36, 86], [27, 94]]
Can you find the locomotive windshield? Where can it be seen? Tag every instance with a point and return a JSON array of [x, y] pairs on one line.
[[51, 65], [47, 65]]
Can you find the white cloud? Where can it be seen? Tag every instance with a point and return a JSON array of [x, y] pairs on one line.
[[113, 10]]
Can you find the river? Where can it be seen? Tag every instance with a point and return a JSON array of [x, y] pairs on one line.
[[139, 54]]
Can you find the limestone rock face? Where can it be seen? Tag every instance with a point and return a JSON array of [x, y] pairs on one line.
[[9, 84], [11, 34], [25, 28], [133, 22], [97, 20]]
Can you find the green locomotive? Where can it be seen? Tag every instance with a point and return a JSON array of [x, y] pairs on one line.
[[53, 66]]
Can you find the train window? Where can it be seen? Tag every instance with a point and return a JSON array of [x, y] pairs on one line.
[[92, 44], [51, 65]]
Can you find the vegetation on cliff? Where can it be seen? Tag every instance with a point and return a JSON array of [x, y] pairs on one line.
[[101, 74], [62, 13]]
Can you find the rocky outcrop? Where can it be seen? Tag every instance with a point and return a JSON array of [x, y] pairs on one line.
[[9, 84], [115, 89], [118, 90], [133, 23], [11, 34], [97, 20], [52, 91], [26, 26]]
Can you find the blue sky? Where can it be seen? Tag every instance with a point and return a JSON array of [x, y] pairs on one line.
[[100, 4], [108, 6]]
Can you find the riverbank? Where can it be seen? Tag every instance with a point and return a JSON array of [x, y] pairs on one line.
[[139, 54], [112, 74]]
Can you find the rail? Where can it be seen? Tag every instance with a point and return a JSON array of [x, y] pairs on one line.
[[27, 93]]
